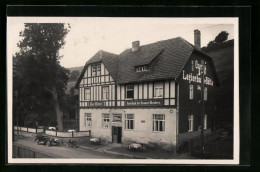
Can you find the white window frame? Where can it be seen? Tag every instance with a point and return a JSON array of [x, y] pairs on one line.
[[85, 91], [94, 70], [205, 93], [98, 69], [105, 93], [191, 91], [190, 120], [128, 122], [88, 120], [158, 87], [106, 120], [205, 120], [141, 68], [127, 89], [159, 123]]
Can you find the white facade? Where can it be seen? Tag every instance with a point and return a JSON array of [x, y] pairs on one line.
[[143, 126]]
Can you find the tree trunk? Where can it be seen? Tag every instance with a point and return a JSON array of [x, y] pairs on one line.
[[59, 113]]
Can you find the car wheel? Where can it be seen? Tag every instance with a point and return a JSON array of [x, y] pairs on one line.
[[48, 143]]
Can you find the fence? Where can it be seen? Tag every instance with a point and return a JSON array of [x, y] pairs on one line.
[[56, 133], [29, 130], [27, 152], [68, 134], [220, 149]]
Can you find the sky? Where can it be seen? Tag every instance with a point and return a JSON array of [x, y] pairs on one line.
[[88, 35]]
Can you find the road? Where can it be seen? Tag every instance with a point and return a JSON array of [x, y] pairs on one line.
[[66, 152]]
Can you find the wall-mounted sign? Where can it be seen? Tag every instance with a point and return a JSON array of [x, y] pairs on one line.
[[143, 102], [99, 103], [196, 78], [142, 121], [117, 118]]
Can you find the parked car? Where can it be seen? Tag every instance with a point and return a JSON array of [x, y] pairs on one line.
[[46, 140]]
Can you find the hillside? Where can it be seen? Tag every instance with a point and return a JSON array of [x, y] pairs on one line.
[[73, 78], [223, 58]]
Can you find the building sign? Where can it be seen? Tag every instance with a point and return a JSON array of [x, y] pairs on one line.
[[98, 103], [197, 77], [117, 118], [144, 102]]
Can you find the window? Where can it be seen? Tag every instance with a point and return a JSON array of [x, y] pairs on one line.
[[190, 119], [88, 121], [158, 90], [192, 65], [96, 70], [205, 69], [129, 121], [158, 122], [205, 93], [105, 93], [191, 91], [141, 68], [117, 118], [129, 92], [205, 121], [105, 120], [87, 93]]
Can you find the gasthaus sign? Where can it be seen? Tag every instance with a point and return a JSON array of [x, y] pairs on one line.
[[197, 77]]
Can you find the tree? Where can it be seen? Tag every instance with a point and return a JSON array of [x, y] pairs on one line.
[[221, 37], [37, 75]]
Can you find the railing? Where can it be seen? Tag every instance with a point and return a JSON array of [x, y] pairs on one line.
[[55, 132], [28, 152]]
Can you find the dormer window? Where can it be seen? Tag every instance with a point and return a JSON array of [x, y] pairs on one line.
[[141, 68]]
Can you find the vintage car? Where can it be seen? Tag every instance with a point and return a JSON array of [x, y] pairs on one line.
[[46, 140]]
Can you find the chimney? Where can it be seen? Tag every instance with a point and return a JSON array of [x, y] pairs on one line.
[[135, 46], [197, 38]]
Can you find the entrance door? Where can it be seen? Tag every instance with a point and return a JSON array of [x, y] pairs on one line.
[[116, 134]]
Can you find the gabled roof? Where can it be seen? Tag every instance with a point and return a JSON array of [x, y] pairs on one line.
[[166, 60], [144, 56], [169, 63], [109, 60]]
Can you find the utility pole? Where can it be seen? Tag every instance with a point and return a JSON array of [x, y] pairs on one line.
[[16, 97], [202, 108]]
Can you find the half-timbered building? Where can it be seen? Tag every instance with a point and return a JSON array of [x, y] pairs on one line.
[[149, 94]]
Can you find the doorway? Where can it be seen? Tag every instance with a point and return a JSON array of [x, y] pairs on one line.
[[116, 134]]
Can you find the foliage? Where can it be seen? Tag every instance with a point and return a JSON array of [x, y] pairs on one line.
[[220, 41], [221, 37], [38, 79]]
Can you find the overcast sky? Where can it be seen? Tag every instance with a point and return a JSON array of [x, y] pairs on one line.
[[89, 35]]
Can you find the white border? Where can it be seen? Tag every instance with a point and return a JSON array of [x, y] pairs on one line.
[[211, 20]]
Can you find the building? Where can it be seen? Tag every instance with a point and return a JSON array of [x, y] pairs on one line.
[[149, 94]]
